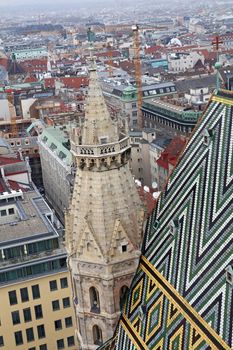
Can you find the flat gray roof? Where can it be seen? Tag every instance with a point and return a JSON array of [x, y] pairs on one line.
[[32, 224]]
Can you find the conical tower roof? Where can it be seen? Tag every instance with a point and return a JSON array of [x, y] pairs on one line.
[[105, 210], [98, 127]]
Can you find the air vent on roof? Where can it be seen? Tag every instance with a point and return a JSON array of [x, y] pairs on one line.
[[13, 223]]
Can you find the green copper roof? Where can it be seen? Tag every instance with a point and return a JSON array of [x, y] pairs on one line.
[[188, 117], [181, 297], [55, 139]]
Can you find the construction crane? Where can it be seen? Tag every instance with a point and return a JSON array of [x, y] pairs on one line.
[[110, 60], [138, 75], [138, 70]]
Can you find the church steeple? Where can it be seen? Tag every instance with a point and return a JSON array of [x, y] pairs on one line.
[[98, 126], [104, 221]]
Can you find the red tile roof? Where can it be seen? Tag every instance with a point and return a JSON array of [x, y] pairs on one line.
[[148, 200], [30, 79], [6, 161], [4, 62], [154, 49], [35, 65], [171, 153], [110, 53], [69, 82]]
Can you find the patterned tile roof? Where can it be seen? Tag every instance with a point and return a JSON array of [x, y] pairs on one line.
[[182, 294]]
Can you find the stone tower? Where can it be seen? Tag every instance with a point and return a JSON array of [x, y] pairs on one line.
[[103, 223]]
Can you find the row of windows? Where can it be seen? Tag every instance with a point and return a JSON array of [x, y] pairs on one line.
[[41, 334], [37, 269], [6, 212], [30, 248], [30, 335], [41, 347], [24, 294], [27, 314], [95, 300], [58, 323], [63, 284], [61, 343]]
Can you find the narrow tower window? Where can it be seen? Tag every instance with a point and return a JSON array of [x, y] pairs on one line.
[[95, 301], [97, 335], [123, 293]]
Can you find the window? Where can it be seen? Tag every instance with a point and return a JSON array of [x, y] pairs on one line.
[[70, 341], [27, 315], [32, 348], [55, 305], [3, 212], [123, 293], [57, 325], [103, 140], [66, 302], [30, 334], [60, 344], [53, 285], [124, 248], [68, 322], [64, 282], [38, 311], [97, 335], [1, 341], [15, 317], [24, 294], [12, 297], [36, 291], [18, 338], [41, 331], [11, 211], [94, 300], [43, 347]]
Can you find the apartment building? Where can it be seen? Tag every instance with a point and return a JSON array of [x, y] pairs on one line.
[[36, 302]]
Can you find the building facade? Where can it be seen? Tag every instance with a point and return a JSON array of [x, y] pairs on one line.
[[125, 97], [160, 113], [36, 303], [103, 223], [57, 170]]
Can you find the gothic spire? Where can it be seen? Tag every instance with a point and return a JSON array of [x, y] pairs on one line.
[[98, 126]]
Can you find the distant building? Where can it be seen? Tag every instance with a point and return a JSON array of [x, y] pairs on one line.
[[57, 167], [27, 54], [140, 155], [170, 114], [125, 97], [168, 160], [182, 61], [26, 147]]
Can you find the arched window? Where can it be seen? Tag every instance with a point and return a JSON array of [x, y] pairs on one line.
[[97, 335], [123, 293], [94, 300]]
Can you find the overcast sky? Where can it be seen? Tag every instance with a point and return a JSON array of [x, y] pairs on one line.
[[55, 2]]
